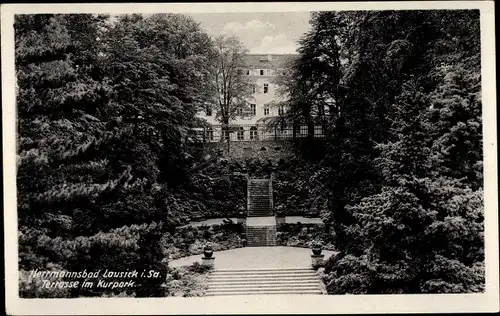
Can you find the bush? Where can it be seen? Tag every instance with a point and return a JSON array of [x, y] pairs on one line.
[[304, 235], [188, 240], [123, 249]]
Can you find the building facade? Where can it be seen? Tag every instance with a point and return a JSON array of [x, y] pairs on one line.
[[261, 69]]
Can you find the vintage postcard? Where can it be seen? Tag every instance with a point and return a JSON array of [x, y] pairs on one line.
[[250, 158]]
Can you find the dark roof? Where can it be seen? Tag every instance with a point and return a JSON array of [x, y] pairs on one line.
[[261, 60]]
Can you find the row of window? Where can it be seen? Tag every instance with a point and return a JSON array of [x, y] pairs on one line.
[[240, 134], [266, 88], [253, 134], [262, 72], [253, 110]]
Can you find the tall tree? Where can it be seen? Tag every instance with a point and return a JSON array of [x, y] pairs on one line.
[[311, 85], [103, 109], [230, 87], [403, 236]]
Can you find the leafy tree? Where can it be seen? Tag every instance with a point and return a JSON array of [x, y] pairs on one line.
[[103, 111], [402, 236], [311, 85], [230, 87]]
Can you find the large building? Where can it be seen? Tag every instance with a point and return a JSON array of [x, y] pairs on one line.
[[262, 69]]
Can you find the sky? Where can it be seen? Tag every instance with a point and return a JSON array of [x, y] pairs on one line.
[[260, 32]]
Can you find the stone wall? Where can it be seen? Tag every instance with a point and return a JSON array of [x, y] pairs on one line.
[[263, 149]]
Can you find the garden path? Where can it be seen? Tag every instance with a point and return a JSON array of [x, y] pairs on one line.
[[257, 258]]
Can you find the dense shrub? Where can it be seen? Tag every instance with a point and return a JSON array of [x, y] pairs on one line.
[[188, 281], [130, 248], [304, 235], [217, 190], [187, 241]]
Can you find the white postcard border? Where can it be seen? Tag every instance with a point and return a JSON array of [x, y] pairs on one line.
[[484, 302]]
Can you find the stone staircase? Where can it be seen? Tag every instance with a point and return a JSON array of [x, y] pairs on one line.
[[261, 224], [259, 197], [261, 236], [263, 282]]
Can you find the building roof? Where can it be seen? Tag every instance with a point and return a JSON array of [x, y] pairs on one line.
[[269, 61]]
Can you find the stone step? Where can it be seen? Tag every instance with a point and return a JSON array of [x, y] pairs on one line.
[[256, 288], [260, 198], [270, 285], [262, 282], [257, 270], [268, 276], [265, 293], [267, 212], [262, 292], [263, 272], [250, 277]]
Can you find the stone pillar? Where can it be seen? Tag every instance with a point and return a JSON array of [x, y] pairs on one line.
[[208, 261], [317, 261]]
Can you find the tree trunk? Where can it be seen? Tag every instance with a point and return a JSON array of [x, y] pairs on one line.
[[310, 129]]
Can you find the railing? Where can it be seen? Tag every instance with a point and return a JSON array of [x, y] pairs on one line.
[[248, 132]]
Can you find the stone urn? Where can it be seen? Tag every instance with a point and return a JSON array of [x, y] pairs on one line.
[[317, 249], [208, 251]]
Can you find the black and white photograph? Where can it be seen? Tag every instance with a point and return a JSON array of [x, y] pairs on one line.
[[188, 157]]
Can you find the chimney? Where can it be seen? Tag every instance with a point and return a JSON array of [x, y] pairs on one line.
[[269, 58]]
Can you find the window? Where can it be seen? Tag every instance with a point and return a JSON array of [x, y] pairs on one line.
[[266, 87], [239, 111], [266, 110], [269, 72], [248, 72], [253, 132], [225, 134], [209, 110], [253, 109], [262, 72], [241, 133], [281, 110], [210, 134], [254, 89]]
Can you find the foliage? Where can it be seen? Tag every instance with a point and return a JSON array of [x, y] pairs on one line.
[[189, 240], [403, 174], [304, 235], [217, 190], [104, 108], [229, 85], [188, 281]]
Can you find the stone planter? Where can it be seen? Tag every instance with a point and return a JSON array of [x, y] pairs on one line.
[[317, 261], [208, 252], [208, 261], [317, 251]]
